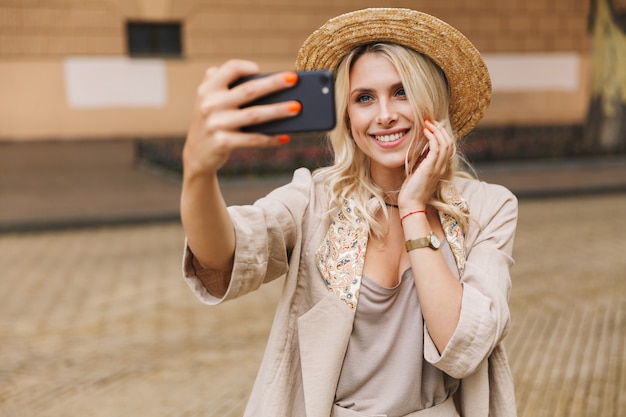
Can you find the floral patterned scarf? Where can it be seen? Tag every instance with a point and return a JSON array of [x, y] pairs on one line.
[[341, 256]]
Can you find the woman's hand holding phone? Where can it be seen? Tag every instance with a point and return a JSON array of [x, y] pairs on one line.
[[215, 131], [230, 114], [219, 115]]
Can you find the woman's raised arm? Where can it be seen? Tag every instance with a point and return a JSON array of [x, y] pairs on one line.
[[214, 133]]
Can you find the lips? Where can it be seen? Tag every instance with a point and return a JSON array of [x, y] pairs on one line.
[[390, 137]]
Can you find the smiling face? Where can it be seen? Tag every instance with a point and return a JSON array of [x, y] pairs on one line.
[[380, 116]]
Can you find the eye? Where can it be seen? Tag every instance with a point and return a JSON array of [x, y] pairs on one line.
[[401, 93], [364, 98]]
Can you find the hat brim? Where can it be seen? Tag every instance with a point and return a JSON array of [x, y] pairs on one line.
[[464, 67]]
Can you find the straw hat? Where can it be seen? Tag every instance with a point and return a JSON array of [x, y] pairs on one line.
[[467, 74]]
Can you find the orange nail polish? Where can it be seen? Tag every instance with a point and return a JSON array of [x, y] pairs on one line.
[[283, 139], [294, 106], [291, 78], [427, 121]]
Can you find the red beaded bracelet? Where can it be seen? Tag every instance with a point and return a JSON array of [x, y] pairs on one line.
[[410, 213]]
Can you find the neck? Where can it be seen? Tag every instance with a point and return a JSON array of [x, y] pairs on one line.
[[390, 181]]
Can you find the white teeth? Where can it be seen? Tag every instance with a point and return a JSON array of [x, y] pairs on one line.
[[390, 138]]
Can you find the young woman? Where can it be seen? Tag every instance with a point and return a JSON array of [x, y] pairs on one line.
[[396, 263]]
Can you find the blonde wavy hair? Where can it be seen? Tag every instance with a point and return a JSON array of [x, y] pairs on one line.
[[349, 177]]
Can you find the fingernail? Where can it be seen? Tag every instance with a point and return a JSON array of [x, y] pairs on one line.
[[291, 78], [294, 107], [426, 123], [282, 139]]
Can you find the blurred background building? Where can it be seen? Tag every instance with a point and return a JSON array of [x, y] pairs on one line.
[[128, 69]]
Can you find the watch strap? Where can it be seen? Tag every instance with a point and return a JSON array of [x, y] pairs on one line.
[[430, 241], [421, 242]]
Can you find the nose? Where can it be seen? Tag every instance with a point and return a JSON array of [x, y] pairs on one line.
[[387, 113]]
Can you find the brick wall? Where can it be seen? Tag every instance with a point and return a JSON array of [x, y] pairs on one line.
[[37, 38], [278, 28], [225, 28], [54, 28]]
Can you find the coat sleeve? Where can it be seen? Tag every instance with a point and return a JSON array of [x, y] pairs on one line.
[[485, 316], [265, 234]]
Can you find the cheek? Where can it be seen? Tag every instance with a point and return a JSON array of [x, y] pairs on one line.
[[356, 120], [348, 123], [407, 111], [349, 117]]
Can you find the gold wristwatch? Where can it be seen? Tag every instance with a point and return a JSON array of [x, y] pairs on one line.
[[431, 241]]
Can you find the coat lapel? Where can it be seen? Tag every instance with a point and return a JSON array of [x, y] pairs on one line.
[[341, 256], [452, 229], [323, 333]]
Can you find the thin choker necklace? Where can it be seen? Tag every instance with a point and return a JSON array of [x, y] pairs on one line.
[[391, 205]]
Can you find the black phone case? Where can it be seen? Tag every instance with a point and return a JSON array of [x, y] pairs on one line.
[[314, 90]]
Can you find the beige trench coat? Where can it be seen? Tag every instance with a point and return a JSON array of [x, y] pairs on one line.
[[279, 236]]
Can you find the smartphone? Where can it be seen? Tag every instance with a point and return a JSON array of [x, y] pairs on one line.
[[314, 90]]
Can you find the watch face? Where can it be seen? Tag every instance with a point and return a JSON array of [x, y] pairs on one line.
[[434, 241]]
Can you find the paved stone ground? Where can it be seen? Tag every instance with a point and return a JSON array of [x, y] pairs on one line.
[[97, 321]]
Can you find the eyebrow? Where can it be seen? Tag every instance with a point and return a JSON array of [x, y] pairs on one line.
[[361, 91], [370, 90]]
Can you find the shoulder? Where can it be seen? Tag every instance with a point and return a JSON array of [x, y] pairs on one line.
[[493, 219], [300, 185], [474, 187], [305, 190], [480, 193], [304, 179], [487, 202]]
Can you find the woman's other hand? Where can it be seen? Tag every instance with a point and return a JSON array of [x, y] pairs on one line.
[[429, 168]]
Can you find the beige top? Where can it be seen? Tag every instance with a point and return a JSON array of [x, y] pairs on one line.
[[278, 237], [379, 377]]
